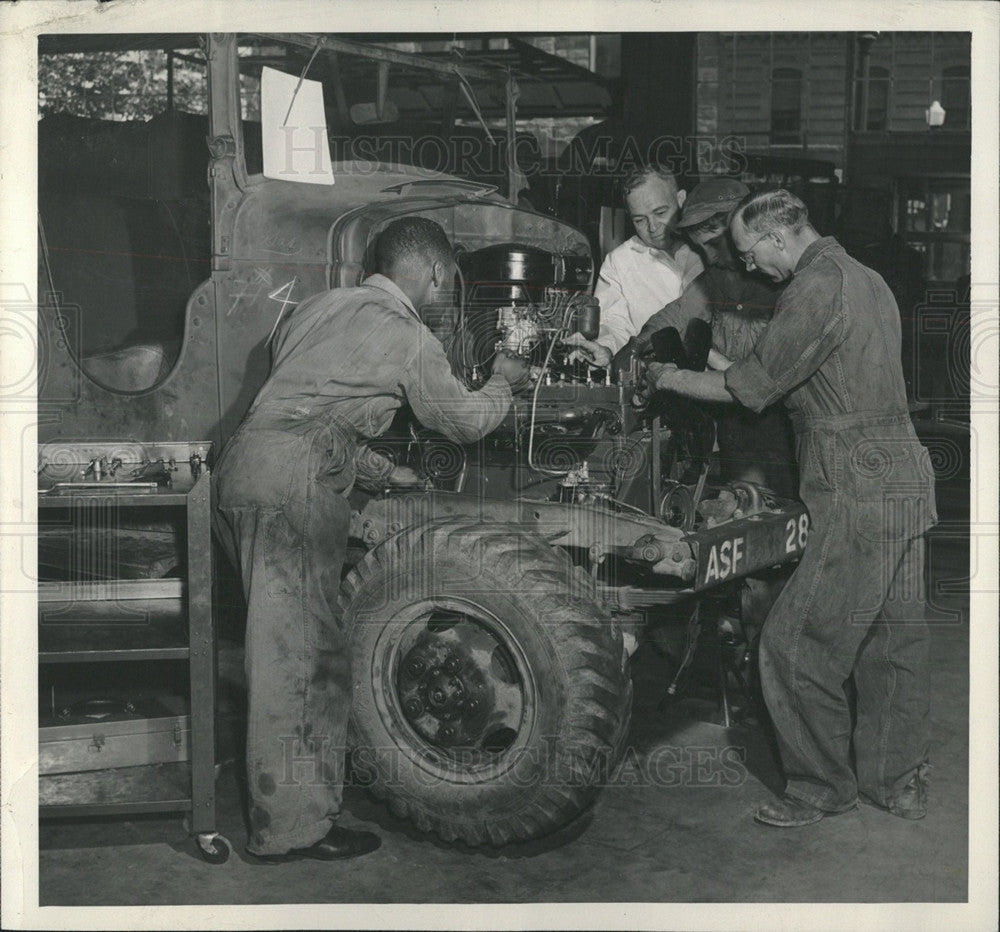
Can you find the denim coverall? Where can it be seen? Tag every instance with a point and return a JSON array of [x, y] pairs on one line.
[[855, 603], [342, 364]]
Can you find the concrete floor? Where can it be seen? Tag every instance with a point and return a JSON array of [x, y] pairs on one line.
[[693, 841]]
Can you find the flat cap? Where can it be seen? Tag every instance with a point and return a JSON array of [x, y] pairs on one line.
[[715, 196]]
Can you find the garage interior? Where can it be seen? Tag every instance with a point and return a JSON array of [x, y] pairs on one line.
[[675, 825], [842, 123]]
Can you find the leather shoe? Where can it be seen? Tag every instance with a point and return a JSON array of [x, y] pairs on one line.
[[787, 812], [338, 845], [911, 802]]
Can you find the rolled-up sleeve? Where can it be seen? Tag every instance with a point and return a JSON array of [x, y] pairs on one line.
[[808, 325], [443, 403]]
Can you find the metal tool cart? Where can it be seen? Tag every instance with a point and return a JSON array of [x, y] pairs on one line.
[[125, 581]]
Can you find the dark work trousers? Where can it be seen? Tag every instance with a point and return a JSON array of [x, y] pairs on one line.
[[283, 520], [854, 605]]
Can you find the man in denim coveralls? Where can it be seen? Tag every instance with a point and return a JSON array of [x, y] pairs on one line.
[[342, 364], [855, 603]]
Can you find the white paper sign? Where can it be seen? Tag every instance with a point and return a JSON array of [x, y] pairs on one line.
[[293, 125]]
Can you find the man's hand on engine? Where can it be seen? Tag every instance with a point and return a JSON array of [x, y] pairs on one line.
[[662, 376], [514, 369], [643, 342], [589, 351]]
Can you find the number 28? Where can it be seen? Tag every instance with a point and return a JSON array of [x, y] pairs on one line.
[[798, 531]]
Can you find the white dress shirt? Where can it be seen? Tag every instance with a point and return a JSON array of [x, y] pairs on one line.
[[635, 282]]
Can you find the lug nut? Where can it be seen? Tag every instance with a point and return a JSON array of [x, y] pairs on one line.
[[453, 664], [413, 708], [415, 667], [435, 672], [447, 732]]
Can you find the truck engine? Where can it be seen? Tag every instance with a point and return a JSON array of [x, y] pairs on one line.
[[523, 301], [520, 300]]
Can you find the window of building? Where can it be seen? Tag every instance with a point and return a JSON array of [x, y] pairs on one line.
[[786, 105], [955, 89], [934, 219], [872, 114]]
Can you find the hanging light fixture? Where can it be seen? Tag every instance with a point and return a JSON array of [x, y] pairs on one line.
[[935, 114]]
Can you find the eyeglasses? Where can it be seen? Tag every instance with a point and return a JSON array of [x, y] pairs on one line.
[[747, 258]]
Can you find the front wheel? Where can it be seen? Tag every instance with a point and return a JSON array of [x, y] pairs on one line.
[[491, 694]]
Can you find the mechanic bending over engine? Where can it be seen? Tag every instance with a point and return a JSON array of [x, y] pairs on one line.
[[343, 362], [739, 305], [855, 603], [644, 273]]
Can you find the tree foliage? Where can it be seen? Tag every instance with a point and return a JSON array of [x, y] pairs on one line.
[[131, 85]]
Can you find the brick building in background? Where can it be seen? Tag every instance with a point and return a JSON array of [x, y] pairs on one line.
[[864, 102]]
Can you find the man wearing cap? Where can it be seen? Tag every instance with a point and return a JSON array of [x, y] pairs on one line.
[[854, 608], [644, 273], [752, 447]]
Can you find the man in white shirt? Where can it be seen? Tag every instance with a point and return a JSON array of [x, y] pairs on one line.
[[646, 272]]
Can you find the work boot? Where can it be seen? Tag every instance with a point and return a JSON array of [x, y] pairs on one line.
[[338, 845], [787, 812], [911, 802]]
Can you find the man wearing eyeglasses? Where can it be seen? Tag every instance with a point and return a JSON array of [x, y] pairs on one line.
[[752, 447], [854, 606]]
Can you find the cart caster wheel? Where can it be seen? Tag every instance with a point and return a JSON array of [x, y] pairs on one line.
[[214, 848]]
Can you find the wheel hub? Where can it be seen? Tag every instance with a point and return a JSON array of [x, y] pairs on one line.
[[445, 695], [456, 686]]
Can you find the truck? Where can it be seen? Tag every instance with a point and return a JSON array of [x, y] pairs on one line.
[[492, 611]]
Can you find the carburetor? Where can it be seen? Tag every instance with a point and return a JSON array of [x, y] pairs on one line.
[[523, 328], [520, 300], [520, 330]]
